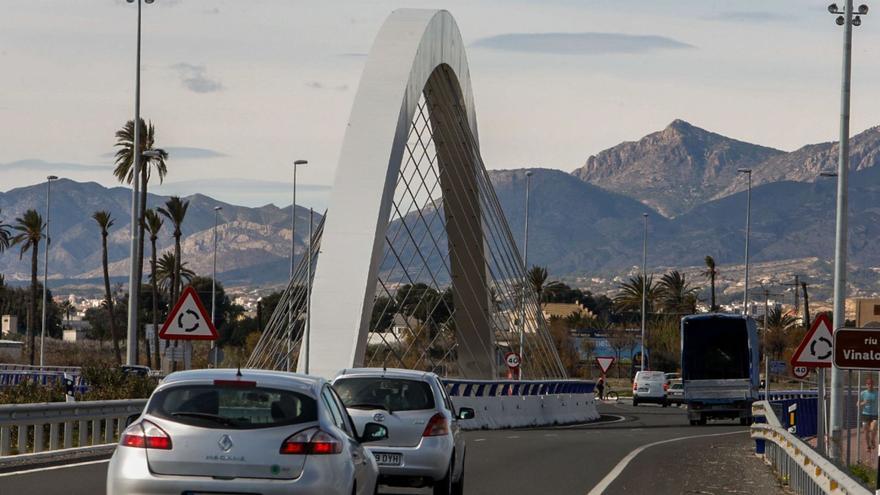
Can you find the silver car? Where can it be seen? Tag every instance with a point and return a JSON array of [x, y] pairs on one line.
[[247, 431], [425, 446]]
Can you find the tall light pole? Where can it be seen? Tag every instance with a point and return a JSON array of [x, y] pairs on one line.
[[49, 180], [644, 290], [214, 282], [290, 319], [134, 284], [307, 342], [522, 332], [846, 19], [748, 172]]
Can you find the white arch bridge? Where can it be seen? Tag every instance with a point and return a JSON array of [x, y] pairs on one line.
[[418, 267]]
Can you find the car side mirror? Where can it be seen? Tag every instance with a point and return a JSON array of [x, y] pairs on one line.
[[131, 419], [466, 413], [374, 432]]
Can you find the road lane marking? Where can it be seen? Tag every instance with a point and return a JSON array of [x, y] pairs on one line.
[[513, 436], [479, 440], [591, 424], [618, 469], [52, 468]]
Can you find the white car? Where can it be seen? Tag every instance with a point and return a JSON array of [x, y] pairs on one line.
[[425, 446], [650, 386], [245, 431]]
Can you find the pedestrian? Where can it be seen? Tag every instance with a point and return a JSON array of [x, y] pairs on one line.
[[868, 403], [600, 386]]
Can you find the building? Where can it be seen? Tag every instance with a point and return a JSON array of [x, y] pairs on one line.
[[867, 313], [564, 310], [73, 335], [9, 324]]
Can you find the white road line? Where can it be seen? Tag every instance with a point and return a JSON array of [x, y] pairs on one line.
[[513, 436], [479, 440], [614, 473], [52, 468], [591, 424]]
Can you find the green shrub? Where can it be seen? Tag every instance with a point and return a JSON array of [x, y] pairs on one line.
[[866, 474], [29, 391], [106, 381]]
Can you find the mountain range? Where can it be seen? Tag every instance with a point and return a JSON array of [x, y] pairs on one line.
[[583, 224]]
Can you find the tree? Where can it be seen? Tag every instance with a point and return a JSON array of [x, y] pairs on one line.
[[629, 298], [153, 223], [124, 172], [620, 339], [175, 211], [676, 295], [711, 272], [5, 237], [30, 232], [537, 277], [66, 309], [165, 267], [105, 221]]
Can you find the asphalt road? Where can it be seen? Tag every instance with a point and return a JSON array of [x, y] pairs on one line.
[[610, 457]]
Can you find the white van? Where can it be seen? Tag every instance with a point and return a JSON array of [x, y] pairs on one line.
[[650, 386]]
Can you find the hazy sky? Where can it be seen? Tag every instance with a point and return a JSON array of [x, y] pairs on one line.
[[240, 88]]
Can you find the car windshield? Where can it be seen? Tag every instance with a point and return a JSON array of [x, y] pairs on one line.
[[392, 394], [212, 406]]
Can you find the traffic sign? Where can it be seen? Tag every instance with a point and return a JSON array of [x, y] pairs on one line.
[[857, 348], [188, 320], [604, 363], [815, 349], [777, 367], [800, 371], [512, 359]]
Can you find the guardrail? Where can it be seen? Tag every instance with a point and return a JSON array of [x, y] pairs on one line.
[[805, 471], [493, 388], [791, 394], [32, 429]]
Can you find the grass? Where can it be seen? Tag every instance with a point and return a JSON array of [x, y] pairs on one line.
[[865, 474]]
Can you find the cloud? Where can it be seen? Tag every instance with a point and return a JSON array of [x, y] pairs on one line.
[[194, 78], [579, 43], [320, 85], [182, 153], [747, 16], [33, 164]]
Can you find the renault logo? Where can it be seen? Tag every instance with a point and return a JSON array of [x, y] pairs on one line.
[[379, 417], [225, 443]]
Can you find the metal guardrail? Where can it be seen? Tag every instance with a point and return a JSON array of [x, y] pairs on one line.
[[36, 428], [805, 470], [71, 370], [790, 394], [504, 388]]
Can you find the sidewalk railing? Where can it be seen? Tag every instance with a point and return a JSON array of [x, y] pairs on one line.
[[27, 429], [802, 468]]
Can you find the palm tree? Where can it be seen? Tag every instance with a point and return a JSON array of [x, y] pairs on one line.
[[165, 273], [105, 221], [537, 278], [676, 294], [66, 309], [175, 211], [124, 172], [630, 296], [154, 223], [779, 320], [711, 272], [30, 232], [5, 236]]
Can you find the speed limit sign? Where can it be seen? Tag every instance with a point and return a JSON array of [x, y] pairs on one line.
[[800, 371], [512, 359]]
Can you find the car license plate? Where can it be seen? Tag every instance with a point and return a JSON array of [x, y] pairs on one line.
[[643, 389], [385, 459]]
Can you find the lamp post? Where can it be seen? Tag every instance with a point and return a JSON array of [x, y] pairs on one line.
[[307, 344], [49, 180], [644, 290], [522, 333], [214, 282], [846, 18], [133, 282], [290, 319], [748, 172]]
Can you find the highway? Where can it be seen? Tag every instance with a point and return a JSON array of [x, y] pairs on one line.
[[645, 449]]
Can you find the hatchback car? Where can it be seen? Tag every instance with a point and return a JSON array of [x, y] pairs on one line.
[[425, 446], [246, 431], [675, 393], [650, 386]]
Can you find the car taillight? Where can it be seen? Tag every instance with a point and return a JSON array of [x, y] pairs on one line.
[[437, 426], [311, 442], [635, 386], [145, 435], [665, 387]]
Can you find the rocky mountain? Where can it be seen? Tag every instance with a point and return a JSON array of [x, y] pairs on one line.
[[675, 169]]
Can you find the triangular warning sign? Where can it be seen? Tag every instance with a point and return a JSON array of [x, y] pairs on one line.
[[815, 350], [188, 320], [604, 363]]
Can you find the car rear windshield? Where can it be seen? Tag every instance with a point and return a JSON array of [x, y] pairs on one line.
[[212, 406], [392, 394]]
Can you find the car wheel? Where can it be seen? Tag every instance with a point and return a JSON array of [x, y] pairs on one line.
[[444, 486], [635, 402], [458, 486], [665, 404]]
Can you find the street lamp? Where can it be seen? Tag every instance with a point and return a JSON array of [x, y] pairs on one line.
[[290, 319], [133, 282], [748, 172], [49, 180], [846, 18], [644, 289], [214, 282], [522, 333]]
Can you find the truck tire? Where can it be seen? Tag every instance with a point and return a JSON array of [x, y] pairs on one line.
[[694, 422], [702, 420]]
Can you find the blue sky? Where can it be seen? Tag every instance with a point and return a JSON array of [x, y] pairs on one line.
[[239, 89]]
